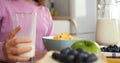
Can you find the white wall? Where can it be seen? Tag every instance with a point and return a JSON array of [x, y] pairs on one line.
[[61, 26]]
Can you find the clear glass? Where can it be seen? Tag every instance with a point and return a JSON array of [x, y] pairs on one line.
[[28, 23], [107, 28]]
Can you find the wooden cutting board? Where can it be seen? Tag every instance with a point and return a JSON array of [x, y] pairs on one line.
[[113, 60]]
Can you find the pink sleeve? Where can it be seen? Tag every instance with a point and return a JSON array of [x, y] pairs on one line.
[[1, 43], [51, 28], [2, 58], [1, 10]]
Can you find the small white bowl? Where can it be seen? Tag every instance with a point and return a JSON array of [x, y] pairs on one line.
[[52, 44]]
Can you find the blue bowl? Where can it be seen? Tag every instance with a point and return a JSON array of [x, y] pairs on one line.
[[51, 44]]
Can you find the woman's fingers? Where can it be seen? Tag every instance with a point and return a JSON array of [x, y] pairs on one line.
[[16, 41], [11, 45], [14, 32], [18, 59], [12, 48], [18, 51]]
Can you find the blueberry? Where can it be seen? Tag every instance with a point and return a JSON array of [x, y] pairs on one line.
[[110, 46], [80, 58], [66, 50], [116, 49], [110, 49], [62, 58], [68, 62], [56, 56], [88, 62], [69, 59], [104, 49], [66, 58], [80, 50], [73, 52], [119, 49], [91, 58], [86, 54], [115, 46]]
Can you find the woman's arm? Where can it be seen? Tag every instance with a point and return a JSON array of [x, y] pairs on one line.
[[1, 43], [2, 58], [2, 8]]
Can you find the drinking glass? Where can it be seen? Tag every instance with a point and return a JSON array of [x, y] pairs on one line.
[[28, 23], [107, 28]]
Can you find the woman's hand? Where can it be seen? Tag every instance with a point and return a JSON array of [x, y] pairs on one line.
[[11, 51]]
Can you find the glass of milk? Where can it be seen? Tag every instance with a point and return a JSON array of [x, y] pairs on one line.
[[107, 28], [28, 23], [107, 31]]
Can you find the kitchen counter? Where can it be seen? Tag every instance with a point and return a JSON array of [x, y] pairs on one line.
[[61, 18]]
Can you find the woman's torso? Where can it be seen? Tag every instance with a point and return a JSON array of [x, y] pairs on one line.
[[11, 6]]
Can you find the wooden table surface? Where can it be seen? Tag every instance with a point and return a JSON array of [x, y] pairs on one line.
[[113, 60]]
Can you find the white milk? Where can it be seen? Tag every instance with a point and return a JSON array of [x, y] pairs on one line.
[[30, 53], [30, 34], [107, 32]]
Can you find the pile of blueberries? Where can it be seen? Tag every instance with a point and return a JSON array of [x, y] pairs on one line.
[[68, 55], [111, 48]]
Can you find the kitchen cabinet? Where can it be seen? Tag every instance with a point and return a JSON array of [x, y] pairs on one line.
[[61, 26], [64, 24]]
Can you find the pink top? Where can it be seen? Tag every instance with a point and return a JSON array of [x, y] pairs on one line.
[[44, 20]]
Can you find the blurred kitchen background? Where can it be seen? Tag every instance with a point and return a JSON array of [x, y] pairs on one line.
[[78, 17]]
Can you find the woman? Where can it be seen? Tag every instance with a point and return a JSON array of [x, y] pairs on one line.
[[8, 52]]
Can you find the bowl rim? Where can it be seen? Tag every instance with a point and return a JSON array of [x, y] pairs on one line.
[[51, 38]]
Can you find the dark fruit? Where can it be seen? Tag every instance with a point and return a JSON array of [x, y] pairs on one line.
[[91, 58], [56, 56], [74, 56], [65, 51], [62, 58], [111, 48], [69, 59], [104, 49], [80, 50], [80, 58], [73, 52]]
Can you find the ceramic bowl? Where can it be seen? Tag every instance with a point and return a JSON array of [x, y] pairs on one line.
[[51, 44]]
